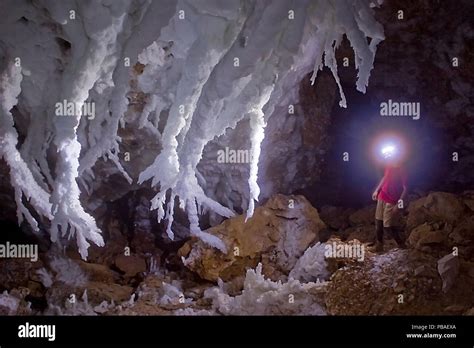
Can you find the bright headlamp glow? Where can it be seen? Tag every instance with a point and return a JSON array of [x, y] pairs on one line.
[[389, 151], [389, 148]]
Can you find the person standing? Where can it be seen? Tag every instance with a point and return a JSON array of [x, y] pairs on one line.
[[389, 194]]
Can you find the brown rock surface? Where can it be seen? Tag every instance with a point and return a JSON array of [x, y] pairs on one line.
[[437, 206], [278, 234], [373, 287], [98, 292], [97, 272], [364, 216], [335, 217], [463, 233], [425, 234], [130, 265], [364, 233]]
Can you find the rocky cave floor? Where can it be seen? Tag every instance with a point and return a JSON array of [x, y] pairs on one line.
[[275, 264]]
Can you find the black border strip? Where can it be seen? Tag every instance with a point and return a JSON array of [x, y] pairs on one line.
[[291, 331]]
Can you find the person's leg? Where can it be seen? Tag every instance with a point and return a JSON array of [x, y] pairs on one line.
[[391, 220], [395, 234], [379, 225], [379, 230]]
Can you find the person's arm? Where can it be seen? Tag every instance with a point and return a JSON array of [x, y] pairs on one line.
[[404, 192], [377, 189], [405, 188]]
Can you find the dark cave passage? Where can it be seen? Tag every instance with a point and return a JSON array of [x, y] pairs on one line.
[[350, 182]]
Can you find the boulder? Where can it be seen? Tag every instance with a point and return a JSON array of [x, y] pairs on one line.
[[463, 233], [470, 311], [16, 272], [426, 270], [277, 235], [468, 199], [130, 265], [336, 218], [98, 292], [448, 269], [364, 216], [97, 272], [365, 234], [143, 242], [417, 214], [437, 206], [444, 206], [425, 234]]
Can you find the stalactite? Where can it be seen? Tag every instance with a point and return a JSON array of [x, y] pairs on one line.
[[206, 68]]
